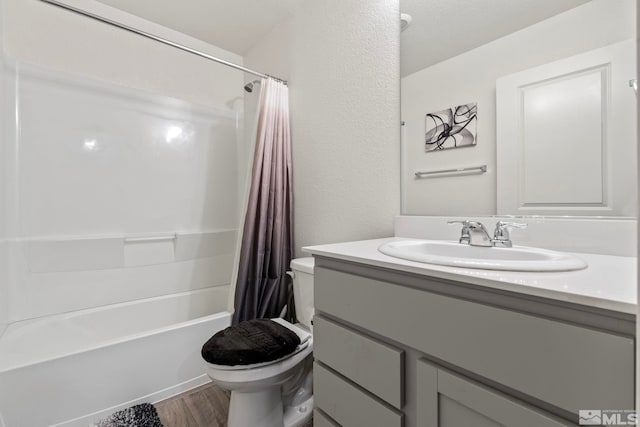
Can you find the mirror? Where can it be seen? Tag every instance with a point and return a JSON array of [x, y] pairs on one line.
[[519, 108]]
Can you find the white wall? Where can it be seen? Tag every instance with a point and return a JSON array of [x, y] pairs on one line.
[[69, 205], [470, 77], [342, 62], [638, 193], [4, 284]]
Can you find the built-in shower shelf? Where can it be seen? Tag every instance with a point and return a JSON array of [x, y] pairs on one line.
[[65, 254]]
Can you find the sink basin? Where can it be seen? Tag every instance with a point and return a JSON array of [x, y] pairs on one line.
[[518, 258]]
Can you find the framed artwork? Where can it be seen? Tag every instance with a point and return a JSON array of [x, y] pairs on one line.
[[454, 127]]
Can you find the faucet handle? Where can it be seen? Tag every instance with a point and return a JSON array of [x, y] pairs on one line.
[[506, 225], [465, 223], [501, 234], [465, 237]]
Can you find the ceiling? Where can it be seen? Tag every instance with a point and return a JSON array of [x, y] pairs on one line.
[[440, 29], [234, 25]]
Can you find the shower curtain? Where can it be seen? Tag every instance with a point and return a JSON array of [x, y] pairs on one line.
[[262, 289]]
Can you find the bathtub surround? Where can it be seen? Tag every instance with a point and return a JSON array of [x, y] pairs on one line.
[[172, 329], [5, 186], [341, 59], [120, 206], [267, 240], [54, 62], [4, 284], [154, 228]]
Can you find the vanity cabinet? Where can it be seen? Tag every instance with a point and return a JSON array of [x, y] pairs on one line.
[[401, 349]]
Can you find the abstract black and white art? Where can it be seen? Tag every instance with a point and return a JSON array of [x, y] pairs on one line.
[[451, 128]]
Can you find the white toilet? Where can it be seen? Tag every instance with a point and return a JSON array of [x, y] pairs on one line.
[[277, 393]]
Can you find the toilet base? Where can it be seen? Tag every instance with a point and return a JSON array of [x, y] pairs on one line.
[[295, 416], [263, 408], [259, 408]]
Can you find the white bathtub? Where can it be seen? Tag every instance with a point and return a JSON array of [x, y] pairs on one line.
[[75, 368]]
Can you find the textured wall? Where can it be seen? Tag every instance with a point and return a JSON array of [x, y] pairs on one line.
[[342, 62], [471, 77]]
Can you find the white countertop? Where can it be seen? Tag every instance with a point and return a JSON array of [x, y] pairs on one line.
[[609, 282]]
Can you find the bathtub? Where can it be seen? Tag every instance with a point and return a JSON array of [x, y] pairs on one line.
[[75, 368]]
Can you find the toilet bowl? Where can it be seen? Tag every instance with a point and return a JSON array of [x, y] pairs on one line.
[[277, 393]]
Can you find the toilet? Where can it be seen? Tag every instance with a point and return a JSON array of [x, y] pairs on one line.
[[277, 393]]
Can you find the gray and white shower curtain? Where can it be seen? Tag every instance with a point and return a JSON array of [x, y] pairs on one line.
[[267, 239]]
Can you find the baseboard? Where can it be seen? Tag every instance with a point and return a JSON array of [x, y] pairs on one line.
[[86, 420]]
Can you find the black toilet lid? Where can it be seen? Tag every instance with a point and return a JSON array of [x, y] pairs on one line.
[[250, 342]]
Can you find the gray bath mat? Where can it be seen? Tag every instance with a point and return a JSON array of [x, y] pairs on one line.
[[143, 415]]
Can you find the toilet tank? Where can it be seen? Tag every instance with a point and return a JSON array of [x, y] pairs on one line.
[[302, 274]]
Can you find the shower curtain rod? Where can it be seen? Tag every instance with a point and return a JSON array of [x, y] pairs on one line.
[[159, 39]]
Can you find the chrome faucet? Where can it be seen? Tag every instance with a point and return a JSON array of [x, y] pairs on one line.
[[465, 236], [474, 233], [501, 237]]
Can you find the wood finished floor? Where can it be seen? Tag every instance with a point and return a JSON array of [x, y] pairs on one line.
[[205, 406]]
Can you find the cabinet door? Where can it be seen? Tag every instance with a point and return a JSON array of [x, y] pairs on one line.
[[321, 420], [449, 400]]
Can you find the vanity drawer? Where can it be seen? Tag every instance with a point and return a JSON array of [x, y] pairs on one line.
[[348, 405], [568, 366], [371, 364]]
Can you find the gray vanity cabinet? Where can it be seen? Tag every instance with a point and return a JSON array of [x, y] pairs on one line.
[[401, 349]]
